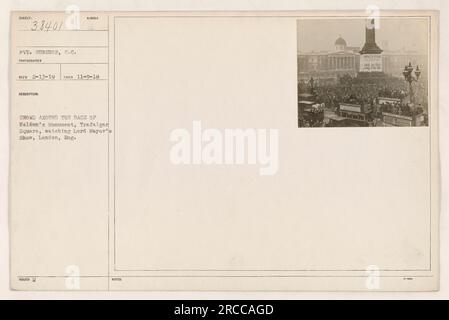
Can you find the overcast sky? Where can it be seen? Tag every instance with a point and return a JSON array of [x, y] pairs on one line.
[[393, 33]]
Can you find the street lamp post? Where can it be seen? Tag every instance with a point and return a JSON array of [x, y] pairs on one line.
[[408, 75]]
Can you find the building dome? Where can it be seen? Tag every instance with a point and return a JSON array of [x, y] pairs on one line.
[[340, 42]]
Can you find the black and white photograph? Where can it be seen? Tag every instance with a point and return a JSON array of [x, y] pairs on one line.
[[363, 72]]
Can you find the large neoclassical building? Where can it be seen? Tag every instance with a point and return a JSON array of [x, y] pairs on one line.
[[327, 67]]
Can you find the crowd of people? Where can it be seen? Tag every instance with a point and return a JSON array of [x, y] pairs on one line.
[[400, 108], [350, 90], [366, 94]]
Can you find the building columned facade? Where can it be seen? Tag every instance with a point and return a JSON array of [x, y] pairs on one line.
[[328, 67]]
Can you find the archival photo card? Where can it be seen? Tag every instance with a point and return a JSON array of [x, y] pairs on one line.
[[171, 151]]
